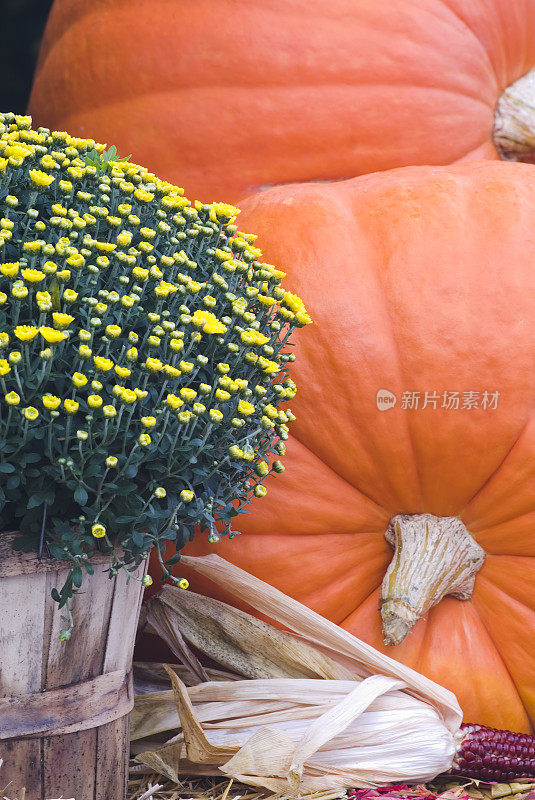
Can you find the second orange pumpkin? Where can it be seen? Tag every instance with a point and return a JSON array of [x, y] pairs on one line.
[[421, 282]]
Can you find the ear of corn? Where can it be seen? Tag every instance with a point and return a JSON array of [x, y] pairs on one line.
[[493, 755]]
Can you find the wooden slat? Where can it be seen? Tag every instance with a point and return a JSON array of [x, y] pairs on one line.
[[80, 658], [77, 660], [110, 780], [123, 621], [22, 612], [71, 708], [69, 766]]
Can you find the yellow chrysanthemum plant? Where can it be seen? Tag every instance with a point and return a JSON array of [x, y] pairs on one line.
[[144, 351]]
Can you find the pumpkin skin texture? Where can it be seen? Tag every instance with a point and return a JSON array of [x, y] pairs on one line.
[[226, 96], [420, 279]]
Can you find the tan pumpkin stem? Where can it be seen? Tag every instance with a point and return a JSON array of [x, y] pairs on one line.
[[433, 557], [514, 120]]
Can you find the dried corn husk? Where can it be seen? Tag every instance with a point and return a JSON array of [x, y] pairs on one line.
[[373, 721]]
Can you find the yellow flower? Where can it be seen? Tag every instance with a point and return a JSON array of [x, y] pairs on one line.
[[79, 379], [148, 422], [140, 273], [98, 530], [222, 396], [111, 461], [188, 394], [69, 295], [245, 408], [76, 260], [177, 345], [12, 399], [208, 322], [153, 364], [113, 331], [173, 401], [265, 300], [269, 367], [223, 211], [171, 372], [26, 332], [140, 393], [94, 401], [144, 439], [271, 411], [293, 302], [186, 366], [41, 178], [3, 297], [15, 357], [50, 401], [128, 396], [122, 372], [32, 275], [102, 364], [31, 413], [183, 583], [124, 238], [259, 490], [51, 335], [4, 367], [253, 337], [62, 320], [186, 495], [71, 406], [262, 468], [303, 318], [143, 196], [84, 351], [19, 291], [49, 268], [4, 339], [9, 269], [109, 411], [215, 415], [147, 580], [44, 301], [106, 247]]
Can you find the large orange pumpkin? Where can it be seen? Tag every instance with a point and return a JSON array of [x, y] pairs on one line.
[[419, 280], [225, 96]]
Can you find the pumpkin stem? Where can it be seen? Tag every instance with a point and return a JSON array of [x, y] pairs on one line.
[[514, 120], [433, 557]]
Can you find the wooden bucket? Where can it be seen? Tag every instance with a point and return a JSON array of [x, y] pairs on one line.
[[64, 706]]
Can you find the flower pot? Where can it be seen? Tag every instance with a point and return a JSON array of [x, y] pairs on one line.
[[64, 706]]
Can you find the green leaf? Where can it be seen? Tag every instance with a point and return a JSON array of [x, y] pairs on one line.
[[80, 495], [6, 468], [77, 576], [53, 288]]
